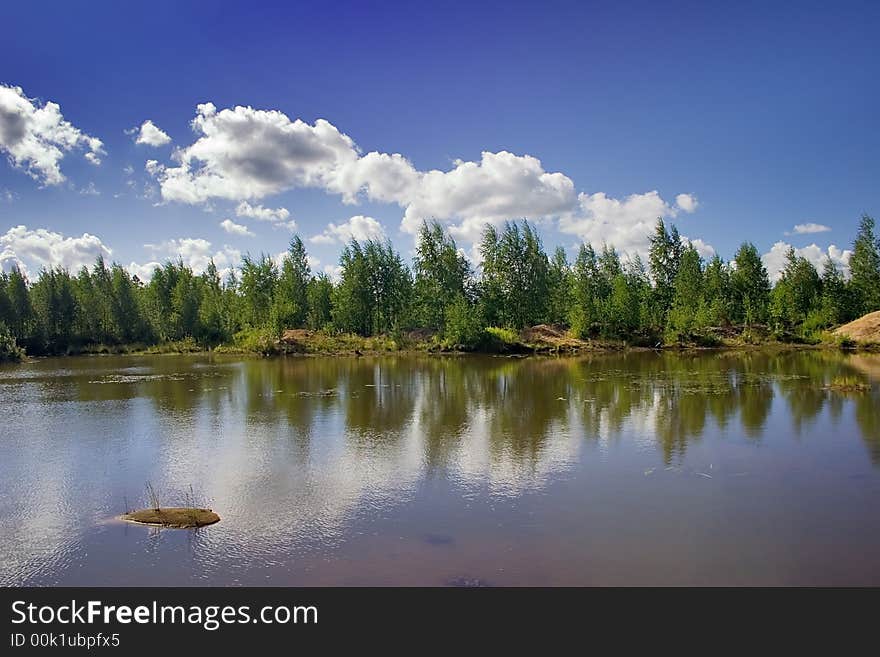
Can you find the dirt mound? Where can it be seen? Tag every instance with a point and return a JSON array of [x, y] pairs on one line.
[[421, 334], [544, 333], [545, 337], [175, 517], [863, 329], [292, 336]]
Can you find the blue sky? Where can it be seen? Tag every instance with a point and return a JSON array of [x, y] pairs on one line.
[[736, 121]]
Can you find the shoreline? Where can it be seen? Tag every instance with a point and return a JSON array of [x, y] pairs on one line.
[[518, 350]]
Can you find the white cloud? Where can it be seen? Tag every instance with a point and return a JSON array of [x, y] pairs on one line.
[[128, 170], [195, 253], [244, 153], [359, 227], [235, 229], [809, 228], [333, 272], [379, 176], [150, 134], [774, 260], [625, 224], [143, 271], [258, 212], [36, 138], [687, 203], [33, 249], [90, 190], [500, 186], [706, 251]]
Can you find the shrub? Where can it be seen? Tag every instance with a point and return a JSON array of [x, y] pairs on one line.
[[846, 343], [258, 340], [9, 349], [464, 324]]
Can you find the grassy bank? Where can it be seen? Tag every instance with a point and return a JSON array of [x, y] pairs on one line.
[[541, 339]]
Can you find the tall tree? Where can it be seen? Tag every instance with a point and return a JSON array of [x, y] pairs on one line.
[[290, 305], [585, 310], [21, 314], [718, 293], [664, 257], [515, 270], [835, 303], [257, 288], [864, 265], [440, 276], [560, 288], [750, 286], [320, 293], [352, 297], [688, 308]]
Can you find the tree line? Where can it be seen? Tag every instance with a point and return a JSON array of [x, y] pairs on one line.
[[675, 295]]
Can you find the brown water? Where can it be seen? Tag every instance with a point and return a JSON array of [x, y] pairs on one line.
[[620, 469]]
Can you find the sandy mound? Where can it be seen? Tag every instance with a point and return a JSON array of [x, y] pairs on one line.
[[175, 517], [292, 336], [863, 329], [554, 336]]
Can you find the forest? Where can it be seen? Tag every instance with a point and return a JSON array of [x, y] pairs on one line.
[[675, 297]]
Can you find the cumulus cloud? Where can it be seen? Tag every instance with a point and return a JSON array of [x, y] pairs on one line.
[[705, 250], [90, 190], [500, 186], [626, 224], [258, 212], [144, 271], [35, 138], [687, 203], [359, 227], [150, 134], [245, 154], [195, 253], [774, 260], [809, 228], [32, 250], [235, 229]]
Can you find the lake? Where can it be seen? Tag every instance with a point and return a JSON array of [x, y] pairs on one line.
[[714, 468]]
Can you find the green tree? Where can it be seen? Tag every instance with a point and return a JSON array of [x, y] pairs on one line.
[[664, 257], [390, 285], [291, 304], [688, 311], [441, 275], [352, 297], [21, 314], [750, 286], [796, 293], [257, 289], [718, 291], [464, 323], [864, 265], [125, 307], [320, 294], [835, 303], [515, 275], [585, 311], [560, 286]]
